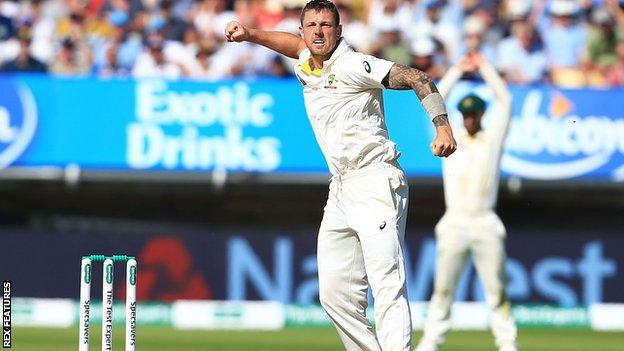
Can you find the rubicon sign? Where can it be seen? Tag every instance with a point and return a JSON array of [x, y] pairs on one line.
[[548, 139]]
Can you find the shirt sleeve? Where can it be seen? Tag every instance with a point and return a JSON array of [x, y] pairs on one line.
[[364, 71], [498, 128], [449, 79]]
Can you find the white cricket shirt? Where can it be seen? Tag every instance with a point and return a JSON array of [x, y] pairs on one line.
[[471, 174], [345, 106]]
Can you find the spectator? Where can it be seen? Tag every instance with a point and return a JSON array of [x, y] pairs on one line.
[[42, 26], [390, 45], [9, 45], [389, 11], [24, 62], [72, 59], [474, 40], [573, 52], [7, 30], [516, 11], [449, 11], [291, 22], [202, 67], [243, 60], [152, 63], [134, 8], [602, 40], [173, 28], [267, 14], [211, 16], [128, 43], [181, 9], [425, 57], [109, 66], [521, 58], [615, 73], [73, 27], [278, 68], [356, 33], [183, 53], [564, 41], [432, 25]]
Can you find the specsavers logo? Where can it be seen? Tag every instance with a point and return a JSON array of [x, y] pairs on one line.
[[549, 140], [132, 278], [200, 130], [18, 121], [87, 273], [109, 273]]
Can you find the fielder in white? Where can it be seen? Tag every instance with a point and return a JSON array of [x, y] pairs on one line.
[[360, 239], [470, 226]]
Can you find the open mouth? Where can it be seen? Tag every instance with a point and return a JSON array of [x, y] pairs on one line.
[[319, 42]]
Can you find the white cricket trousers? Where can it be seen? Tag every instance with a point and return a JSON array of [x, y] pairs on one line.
[[360, 241], [483, 237]]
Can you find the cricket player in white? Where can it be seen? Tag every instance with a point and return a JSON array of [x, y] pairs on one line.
[[470, 225], [360, 239]]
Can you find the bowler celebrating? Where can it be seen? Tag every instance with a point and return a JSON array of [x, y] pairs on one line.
[[470, 225], [360, 239]]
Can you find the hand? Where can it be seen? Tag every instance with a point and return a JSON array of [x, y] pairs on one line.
[[234, 31], [444, 144], [466, 65], [477, 59]]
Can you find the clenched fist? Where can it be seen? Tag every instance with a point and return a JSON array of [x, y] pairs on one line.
[[234, 31], [444, 144]]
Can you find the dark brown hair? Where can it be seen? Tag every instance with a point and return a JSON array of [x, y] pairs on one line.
[[319, 5]]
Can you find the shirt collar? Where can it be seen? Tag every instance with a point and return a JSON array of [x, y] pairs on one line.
[[341, 48]]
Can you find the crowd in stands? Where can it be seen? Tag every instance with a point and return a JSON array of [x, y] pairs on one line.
[[570, 43]]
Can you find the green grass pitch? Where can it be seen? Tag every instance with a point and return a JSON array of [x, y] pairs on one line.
[[164, 339]]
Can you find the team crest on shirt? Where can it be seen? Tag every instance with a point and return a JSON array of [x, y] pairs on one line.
[[331, 79]]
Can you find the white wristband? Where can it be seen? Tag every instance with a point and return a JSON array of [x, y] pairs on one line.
[[434, 105]]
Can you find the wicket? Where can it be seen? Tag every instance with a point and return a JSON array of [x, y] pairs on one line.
[[107, 300]]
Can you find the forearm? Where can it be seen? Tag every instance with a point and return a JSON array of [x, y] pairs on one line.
[[402, 78], [500, 122], [496, 82], [449, 79], [285, 43]]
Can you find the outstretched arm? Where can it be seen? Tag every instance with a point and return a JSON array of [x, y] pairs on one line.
[[402, 78], [498, 126], [284, 43]]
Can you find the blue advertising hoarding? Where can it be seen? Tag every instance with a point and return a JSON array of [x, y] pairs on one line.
[[261, 126], [566, 268]]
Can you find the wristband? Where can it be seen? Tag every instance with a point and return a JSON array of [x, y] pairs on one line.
[[434, 105]]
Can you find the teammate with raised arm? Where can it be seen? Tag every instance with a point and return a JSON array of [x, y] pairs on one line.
[[360, 239], [470, 225]]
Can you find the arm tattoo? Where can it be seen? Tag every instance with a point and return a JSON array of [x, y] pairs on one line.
[[402, 78], [441, 120]]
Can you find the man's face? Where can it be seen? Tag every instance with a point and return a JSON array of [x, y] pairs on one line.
[[320, 32], [472, 122], [563, 20], [473, 41]]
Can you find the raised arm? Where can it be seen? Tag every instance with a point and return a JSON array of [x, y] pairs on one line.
[[449, 79], [402, 78], [465, 65], [498, 127], [284, 43]]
